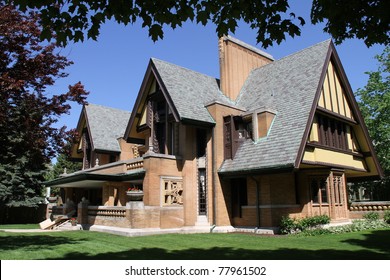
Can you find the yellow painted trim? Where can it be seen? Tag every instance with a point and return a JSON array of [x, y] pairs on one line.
[[335, 158]]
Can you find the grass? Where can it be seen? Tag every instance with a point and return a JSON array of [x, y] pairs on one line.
[[20, 226], [371, 244]]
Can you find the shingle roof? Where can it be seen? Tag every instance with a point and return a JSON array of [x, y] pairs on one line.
[[106, 125], [287, 86], [190, 91]]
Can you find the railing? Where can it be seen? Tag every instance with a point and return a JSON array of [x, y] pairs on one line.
[[107, 211], [137, 163], [370, 206]]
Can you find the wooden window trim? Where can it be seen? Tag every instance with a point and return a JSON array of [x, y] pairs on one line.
[[332, 133]]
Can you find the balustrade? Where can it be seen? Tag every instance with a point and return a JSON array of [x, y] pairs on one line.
[[104, 211], [370, 206]]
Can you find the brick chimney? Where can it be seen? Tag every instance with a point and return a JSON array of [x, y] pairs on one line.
[[236, 60]]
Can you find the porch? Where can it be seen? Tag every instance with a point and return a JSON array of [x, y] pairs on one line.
[[134, 215]]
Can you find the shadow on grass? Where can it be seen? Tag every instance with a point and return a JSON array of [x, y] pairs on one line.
[[38, 241], [374, 246], [226, 253], [378, 240]]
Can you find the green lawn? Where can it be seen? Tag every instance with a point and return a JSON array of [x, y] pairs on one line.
[[374, 244]]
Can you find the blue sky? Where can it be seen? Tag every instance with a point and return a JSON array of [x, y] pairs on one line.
[[113, 67]]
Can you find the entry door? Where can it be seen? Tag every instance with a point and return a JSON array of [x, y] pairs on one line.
[[338, 196]]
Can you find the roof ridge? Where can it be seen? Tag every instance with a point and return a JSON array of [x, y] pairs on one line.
[[107, 107], [271, 64], [182, 67]]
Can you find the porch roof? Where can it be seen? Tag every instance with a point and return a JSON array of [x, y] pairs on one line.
[[94, 180]]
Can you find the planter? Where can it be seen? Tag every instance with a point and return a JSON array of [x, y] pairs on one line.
[[135, 195], [52, 199]]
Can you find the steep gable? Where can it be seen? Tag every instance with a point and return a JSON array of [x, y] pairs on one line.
[[103, 125], [288, 87], [185, 91], [338, 136]]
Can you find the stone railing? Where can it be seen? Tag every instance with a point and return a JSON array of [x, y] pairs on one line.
[[370, 206], [137, 163], [107, 211]]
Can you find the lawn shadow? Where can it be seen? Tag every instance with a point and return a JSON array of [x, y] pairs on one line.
[[228, 253], [38, 241], [378, 240]]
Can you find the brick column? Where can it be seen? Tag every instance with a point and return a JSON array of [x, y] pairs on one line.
[[82, 212]]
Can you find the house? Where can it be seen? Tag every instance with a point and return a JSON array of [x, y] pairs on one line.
[[269, 138]]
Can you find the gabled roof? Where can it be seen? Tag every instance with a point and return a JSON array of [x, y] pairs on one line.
[[186, 91], [105, 125], [189, 90], [288, 87]]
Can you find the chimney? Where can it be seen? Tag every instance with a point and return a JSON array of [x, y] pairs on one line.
[[236, 60]]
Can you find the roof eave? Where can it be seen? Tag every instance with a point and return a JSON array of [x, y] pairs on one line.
[[258, 171]]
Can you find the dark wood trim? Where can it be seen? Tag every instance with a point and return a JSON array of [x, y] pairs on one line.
[[336, 91], [336, 116], [165, 92], [138, 101], [317, 96], [348, 152], [355, 108]]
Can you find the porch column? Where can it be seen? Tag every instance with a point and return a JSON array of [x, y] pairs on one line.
[[82, 212]]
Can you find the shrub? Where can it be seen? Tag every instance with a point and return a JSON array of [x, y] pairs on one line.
[[371, 216], [289, 225], [386, 216]]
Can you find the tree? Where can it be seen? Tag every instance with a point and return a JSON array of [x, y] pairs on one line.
[[374, 102], [368, 20], [28, 137], [63, 164]]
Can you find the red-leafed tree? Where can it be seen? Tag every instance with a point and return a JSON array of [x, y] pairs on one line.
[[28, 136]]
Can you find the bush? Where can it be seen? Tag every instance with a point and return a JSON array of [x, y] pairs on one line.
[[371, 216], [289, 225], [386, 216]]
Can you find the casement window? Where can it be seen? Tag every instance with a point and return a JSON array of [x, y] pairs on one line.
[[319, 190], [332, 133]]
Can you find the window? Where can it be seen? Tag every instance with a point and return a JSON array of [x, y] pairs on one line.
[[319, 190], [332, 133], [163, 125]]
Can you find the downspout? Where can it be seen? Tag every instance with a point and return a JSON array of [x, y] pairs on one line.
[[213, 183], [257, 202]]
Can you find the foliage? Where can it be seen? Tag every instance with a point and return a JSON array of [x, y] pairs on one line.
[[386, 216], [71, 18], [367, 20], [374, 102], [291, 225], [371, 216], [272, 19], [28, 137], [63, 163]]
